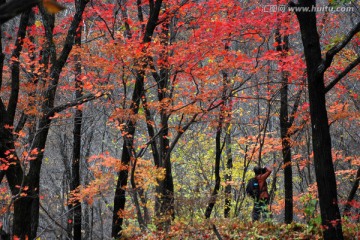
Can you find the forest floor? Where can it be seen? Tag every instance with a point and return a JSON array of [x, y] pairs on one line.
[[234, 229]]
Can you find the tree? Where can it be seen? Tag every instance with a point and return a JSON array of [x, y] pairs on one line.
[[286, 122], [24, 183], [130, 126], [321, 139], [76, 155]]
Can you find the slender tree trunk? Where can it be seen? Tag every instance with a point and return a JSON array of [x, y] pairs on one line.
[[213, 197], [120, 197], [283, 47], [164, 203], [227, 140], [2, 55], [76, 155], [228, 175], [24, 210], [218, 151], [165, 200]]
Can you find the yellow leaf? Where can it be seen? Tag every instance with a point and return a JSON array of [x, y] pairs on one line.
[[52, 7], [38, 23]]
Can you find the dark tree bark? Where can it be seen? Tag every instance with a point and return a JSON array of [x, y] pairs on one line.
[[227, 141], [130, 126], [76, 157], [128, 146], [324, 169], [14, 8], [283, 47], [2, 55], [218, 150], [213, 197], [164, 203], [16, 177], [26, 204], [321, 140], [228, 175]]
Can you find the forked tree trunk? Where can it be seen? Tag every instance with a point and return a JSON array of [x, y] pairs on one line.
[[26, 206], [128, 145]]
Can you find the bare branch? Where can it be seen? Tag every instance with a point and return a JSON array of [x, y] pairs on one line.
[[295, 108], [342, 74], [337, 48], [15, 66], [3, 111], [76, 102], [21, 122], [14, 8]]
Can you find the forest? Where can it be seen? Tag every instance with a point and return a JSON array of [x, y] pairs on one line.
[[124, 119]]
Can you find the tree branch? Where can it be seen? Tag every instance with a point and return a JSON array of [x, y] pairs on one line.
[[21, 122], [68, 45], [76, 102], [2, 175], [295, 108], [15, 67], [216, 232], [342, 74], [337, 48], [179, 134], [14, 8], [352, 194], [3, 112]]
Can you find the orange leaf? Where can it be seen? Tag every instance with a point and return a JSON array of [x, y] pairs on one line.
[[52, 7]]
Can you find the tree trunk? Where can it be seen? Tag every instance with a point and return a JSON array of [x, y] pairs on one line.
[[130, 126], [218, 151], [2, 55], [227, 140], [76, 157], [15, 7], [26, 206], [213, 197], [283, 47], [164, 206], [228, 175], [321, 140]]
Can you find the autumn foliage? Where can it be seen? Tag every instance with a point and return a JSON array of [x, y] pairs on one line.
[[144, 119]]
